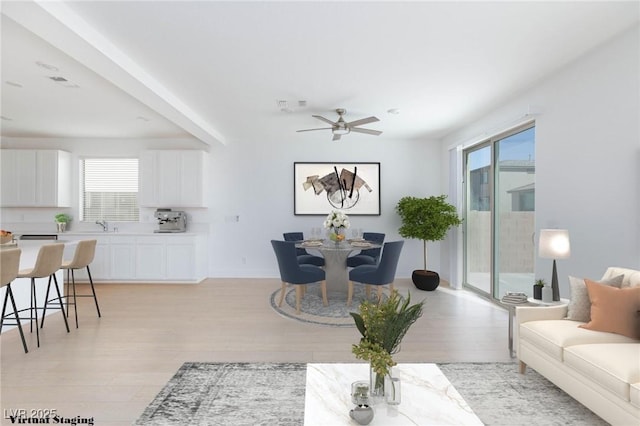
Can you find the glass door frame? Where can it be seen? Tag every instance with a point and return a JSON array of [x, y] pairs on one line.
[[491, 142], [466, 185]]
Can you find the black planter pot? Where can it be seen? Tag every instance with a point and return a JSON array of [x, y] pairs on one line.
[[425, 280], [537, 292]]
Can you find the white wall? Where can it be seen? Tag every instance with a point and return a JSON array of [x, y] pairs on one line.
[[587, 156], [254, 180]]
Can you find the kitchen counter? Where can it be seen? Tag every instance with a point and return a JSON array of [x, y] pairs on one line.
[[21, 287]]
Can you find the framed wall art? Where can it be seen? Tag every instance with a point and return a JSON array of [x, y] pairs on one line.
[[322, 187]]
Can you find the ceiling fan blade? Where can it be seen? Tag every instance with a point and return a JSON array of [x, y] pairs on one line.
[[326, 120], [336, 137], [363, 121], [311, 130], [367, 131]]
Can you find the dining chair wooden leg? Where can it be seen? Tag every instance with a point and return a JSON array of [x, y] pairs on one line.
[[284, 288], [323, 288], [367, 290], [299, 291], [349, 293]]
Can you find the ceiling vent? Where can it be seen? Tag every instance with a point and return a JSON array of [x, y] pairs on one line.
[[64, 82]]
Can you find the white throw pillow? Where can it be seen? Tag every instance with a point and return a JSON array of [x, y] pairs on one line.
[[579, 308]]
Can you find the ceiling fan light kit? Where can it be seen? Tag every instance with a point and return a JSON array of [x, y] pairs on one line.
[[341, 127]]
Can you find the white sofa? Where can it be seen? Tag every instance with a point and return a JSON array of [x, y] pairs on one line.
[[600, 370]]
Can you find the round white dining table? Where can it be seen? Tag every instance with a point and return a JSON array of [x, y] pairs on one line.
[[335, 262]]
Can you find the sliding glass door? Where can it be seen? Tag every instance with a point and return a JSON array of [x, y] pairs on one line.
[[477, 221], [499, 213]]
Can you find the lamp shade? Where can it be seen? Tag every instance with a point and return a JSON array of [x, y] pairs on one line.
[[554, 244]]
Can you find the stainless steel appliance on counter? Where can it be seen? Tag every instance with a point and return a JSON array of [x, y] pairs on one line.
[[170, 220]]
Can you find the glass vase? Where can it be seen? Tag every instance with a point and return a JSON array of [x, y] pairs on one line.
[[376, 385], [336, 235], [392, 390]]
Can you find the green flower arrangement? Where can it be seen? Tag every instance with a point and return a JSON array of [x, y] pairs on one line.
[[382, 326]]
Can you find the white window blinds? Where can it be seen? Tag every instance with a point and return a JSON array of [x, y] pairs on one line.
[[109, 189]]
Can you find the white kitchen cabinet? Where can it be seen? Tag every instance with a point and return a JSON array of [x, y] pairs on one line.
[[35, 178], [142, 258], [122, 262], [150, 258], [171, 178], [181, 261]]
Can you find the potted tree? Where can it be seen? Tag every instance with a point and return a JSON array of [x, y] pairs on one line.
[[426, 219]]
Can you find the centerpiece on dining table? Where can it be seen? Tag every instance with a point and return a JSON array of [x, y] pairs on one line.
[[337, 223]]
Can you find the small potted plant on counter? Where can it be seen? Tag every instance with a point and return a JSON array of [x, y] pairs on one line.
[[62, 219], [537, 289]]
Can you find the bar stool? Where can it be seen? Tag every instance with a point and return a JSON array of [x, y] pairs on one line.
[[48, 262], [9, 266], [82, 257]]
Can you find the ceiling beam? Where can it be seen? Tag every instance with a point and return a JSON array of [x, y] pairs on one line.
[[60, 26]]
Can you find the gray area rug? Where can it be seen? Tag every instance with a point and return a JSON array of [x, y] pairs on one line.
[[235, 394], [248, 394], [312, 311]]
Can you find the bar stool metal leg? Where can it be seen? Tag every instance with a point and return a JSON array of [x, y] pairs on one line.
[[59, 305], [93, 290], [34, 310], [9, 295]]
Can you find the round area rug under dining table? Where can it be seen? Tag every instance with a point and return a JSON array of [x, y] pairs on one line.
[[336, 314]]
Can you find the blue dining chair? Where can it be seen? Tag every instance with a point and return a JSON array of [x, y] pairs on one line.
[[304, 257], [379, 275], [291, 272], [368, 256]]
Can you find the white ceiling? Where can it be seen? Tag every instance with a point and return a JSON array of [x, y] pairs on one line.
[[215, 70]]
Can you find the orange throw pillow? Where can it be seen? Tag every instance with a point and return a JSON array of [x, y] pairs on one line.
[[614, 310]]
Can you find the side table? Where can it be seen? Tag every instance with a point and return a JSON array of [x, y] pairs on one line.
[[531, 302]]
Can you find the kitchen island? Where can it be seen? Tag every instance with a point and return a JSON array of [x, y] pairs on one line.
[[21, 287]]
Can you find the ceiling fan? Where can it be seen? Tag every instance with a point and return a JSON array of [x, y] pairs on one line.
[[341, 127]]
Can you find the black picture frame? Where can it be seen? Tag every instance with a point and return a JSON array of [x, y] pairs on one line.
[[320, 187]]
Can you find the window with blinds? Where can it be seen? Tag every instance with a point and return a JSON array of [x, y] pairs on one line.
[[109, 189]]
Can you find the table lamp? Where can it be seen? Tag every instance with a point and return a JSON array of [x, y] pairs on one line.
[[554, 244]]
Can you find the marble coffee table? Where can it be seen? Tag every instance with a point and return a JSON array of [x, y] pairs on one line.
[[428, 398]]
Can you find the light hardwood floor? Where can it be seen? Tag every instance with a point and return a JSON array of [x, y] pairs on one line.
[[111, 368]]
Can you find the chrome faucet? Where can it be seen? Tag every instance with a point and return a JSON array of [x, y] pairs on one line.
[[104, 224]]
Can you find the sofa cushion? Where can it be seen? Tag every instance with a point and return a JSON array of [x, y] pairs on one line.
[[614, 310], [551, 336], [635, 394], [579, 308], [631, 276], [612, 365]]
